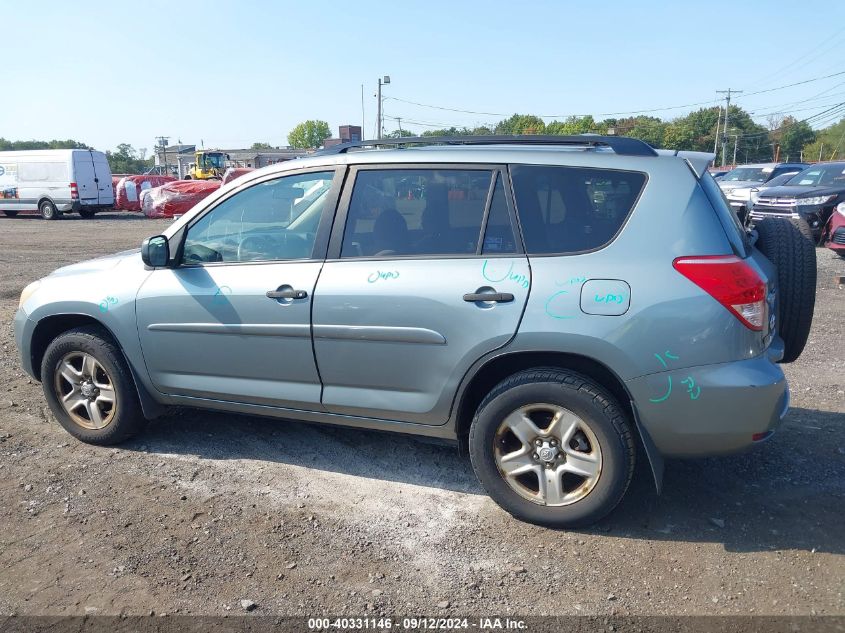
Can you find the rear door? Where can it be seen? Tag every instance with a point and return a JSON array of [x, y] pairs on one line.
[[401, 309], [102, 178], [85, 177]]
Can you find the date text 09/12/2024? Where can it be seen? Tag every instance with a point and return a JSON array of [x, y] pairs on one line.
[[481, 624]]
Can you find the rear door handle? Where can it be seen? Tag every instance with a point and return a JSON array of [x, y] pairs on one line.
[[286, 294], [498, 297]]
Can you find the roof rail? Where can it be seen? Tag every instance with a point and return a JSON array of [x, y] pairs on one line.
[[622, 145]]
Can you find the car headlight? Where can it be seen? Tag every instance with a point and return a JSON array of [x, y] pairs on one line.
[[806, 202], [28, 292], [840, 208], [740, 194]]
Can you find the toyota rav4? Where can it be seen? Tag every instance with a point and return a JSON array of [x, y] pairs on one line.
[[557, 306]]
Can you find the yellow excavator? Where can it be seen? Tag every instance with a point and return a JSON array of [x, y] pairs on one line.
[[208, 165]]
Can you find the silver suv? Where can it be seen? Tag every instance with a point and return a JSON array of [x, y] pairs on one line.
[[555, 305]]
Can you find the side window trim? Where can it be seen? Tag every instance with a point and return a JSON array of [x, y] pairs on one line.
[[340, 217], [321, 241], [494, 176]]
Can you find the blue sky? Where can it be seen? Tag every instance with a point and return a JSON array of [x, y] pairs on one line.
[[232, 73]]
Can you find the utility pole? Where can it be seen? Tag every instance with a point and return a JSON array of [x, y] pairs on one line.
[[736, 142], [379, 116], [161, 145], [399, 120], [727, 94], [716, 139]]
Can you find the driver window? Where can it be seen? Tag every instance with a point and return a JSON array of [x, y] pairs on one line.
[[273, 220]]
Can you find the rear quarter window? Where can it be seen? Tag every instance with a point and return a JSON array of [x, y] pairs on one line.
[[730, 222], [572, 209]]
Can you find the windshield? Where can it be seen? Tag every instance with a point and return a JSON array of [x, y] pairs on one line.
[[777, 181], [820, 175], [754, 174], [212, 160]]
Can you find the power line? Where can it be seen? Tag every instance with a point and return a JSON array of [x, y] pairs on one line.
[[606, 114], [798, 60]]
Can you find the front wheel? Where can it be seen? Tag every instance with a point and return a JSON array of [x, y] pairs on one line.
[[89, 387], [10, 214], [87, 213], [552, 447]]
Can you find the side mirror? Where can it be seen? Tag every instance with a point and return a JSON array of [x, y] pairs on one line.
[[155, 251]]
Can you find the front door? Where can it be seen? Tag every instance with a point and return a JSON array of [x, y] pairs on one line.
[[233, 320], [425, 276]]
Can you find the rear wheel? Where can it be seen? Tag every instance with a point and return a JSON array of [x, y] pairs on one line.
[[48, 210], [552, 447], [787, 246], [10, 214], [89, 387], [87, 213]]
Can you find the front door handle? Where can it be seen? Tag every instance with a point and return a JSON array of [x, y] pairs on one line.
[[286, 294], [498, 297]]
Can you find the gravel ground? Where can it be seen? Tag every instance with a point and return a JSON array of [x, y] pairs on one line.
[[206, 510]]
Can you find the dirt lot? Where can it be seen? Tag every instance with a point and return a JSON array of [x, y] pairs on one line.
[[205, 510]]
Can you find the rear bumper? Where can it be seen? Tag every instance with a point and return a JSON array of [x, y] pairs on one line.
[[711, 409]]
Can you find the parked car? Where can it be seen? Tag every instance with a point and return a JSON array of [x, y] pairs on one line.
[[55, 181], [741, 198], [580, 297], [736, 184], [834, 234], [810, 195], [718, 174]]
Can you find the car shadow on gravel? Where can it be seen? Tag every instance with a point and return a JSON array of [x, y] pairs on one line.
[[786, 494]]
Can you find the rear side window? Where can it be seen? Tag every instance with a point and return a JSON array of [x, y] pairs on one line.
[[730, 222], [572, 209], [408, 212]]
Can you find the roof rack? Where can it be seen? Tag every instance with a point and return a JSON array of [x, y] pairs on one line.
[[622, 145]]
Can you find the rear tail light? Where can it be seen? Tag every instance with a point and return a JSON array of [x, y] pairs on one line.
[[731, 282], [74, 191]]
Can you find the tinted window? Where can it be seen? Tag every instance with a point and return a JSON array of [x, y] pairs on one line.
[[416, 212], [571, 209], [273, 220], [499, 234]]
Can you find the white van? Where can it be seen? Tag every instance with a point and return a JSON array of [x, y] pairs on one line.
[[54, 181]]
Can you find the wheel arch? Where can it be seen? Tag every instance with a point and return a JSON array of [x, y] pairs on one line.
[[500, 367], [50, 327], [45, 199]]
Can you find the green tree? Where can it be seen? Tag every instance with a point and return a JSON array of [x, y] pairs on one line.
[[309, 134], [400, 133], [829, 143], [449, 131], [792, 135], [6, 145], [261, 146], [646, 128], [521, 124], [127, 160], [576, 125]]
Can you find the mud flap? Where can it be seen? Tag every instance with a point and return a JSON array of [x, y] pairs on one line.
[[655, 459]]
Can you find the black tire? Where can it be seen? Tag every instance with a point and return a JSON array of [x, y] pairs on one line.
[[787, 246], [11, 214], [48, 210], [587, 400], [187, 177], [127, 419], [87, 213]]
